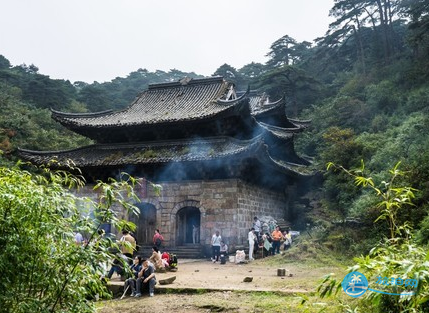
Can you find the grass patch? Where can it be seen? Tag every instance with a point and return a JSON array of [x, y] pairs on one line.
[[310, 253]]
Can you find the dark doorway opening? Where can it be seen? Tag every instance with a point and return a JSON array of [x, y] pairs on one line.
[[188, 226], [146, 223]]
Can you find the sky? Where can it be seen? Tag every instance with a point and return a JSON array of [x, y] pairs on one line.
[[99, 40]]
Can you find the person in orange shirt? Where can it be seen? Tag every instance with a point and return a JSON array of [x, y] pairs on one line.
[[276, 236]]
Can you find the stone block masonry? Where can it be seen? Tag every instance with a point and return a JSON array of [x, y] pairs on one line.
[[226, 205]]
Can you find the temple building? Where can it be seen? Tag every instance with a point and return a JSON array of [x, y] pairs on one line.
[[221, 157]]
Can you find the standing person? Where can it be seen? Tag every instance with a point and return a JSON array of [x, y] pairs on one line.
[[276, 236], [146, 279], [158, 239], [128, 245], [257, 227], [216, 239], [195, 233], [251, 237], [288, 239], [267, 244]]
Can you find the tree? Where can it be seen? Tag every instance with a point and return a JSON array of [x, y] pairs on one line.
[[418, 12], [289, 81], [231, 74], [43, 269], [354, 17], [286, 51], [4, 63]]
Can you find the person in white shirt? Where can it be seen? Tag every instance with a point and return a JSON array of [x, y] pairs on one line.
[[251, 237], [257, 227], [216, 239], [78, 238]]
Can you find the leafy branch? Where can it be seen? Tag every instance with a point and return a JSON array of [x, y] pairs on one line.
[[392, 198]]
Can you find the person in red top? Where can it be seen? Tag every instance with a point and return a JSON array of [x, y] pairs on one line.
[[276, 236], [158, 239]]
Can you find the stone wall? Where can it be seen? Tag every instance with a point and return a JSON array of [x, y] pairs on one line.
[[225, 205]]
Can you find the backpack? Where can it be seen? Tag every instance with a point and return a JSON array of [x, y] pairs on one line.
[[158, 241], [172, 260]]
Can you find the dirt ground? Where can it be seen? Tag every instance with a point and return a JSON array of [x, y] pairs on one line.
[[203, 286], [230, 276]]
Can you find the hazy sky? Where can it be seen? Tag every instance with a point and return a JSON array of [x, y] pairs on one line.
[[98, 40]]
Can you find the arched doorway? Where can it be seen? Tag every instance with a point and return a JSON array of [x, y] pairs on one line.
[[146, 223], [186, 219]]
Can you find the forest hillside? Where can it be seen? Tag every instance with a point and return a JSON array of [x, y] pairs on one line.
[[364, 85]]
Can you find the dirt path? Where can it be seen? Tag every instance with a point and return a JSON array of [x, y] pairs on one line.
[[195, 277], [230, 276], [202, 274]]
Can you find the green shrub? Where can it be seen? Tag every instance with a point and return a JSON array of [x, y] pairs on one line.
[[42, 268]]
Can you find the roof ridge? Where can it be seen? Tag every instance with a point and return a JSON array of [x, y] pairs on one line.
[[180, 83]]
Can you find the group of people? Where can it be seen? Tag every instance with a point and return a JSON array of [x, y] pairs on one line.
[[140, 272], [143, 277], [271, 243]]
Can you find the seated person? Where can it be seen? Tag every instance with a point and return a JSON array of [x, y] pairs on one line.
[[135, 269], [165, 257], [223, 248], [146, 279], [156, 259], [117, 265]]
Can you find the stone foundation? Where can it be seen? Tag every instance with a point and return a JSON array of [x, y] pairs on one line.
[[225, 205]]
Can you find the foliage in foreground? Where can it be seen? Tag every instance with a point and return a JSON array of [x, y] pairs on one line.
[[397, 257], [42, 269]]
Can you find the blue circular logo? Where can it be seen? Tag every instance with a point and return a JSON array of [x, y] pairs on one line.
[[355, 284]]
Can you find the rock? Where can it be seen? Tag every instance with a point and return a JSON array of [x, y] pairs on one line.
[[248, 279], [167, 281]]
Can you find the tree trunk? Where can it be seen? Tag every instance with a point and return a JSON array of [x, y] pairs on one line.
[[383, 26]]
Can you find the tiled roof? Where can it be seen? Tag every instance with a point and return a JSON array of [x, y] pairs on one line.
[[147, 153], [186, 100]]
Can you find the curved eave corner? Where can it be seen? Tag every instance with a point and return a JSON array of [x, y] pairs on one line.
[[46, 158], [273, 129], [233, 102], [291, 169], [269, 109], [300, 123], [60, 114], [295, 170]]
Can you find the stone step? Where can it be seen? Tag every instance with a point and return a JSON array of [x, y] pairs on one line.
[[184, 252]]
